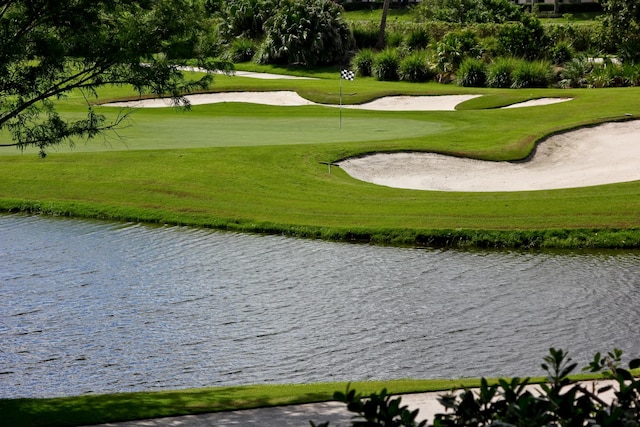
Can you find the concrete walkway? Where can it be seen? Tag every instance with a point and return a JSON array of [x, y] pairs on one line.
[[286, 416], [300, 415]]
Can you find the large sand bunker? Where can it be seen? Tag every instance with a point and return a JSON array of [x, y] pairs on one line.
[[292, 99], [605, 154]]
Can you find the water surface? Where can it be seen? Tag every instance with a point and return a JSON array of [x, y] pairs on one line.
[[93, 307]]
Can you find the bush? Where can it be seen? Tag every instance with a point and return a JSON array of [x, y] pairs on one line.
[[241, 50], [246, 17], [562, 52], [525, 39], [306, 32], [559, 401], [500, 72], [386, 64], [417, 39], [455, 47], [531, 74], [583, 37], [365, 36], [415, 68], [472, 72], [607, 74], [393, 38], [574, 73], [362, 63]]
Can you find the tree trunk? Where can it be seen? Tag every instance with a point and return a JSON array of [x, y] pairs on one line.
[[383, 24]]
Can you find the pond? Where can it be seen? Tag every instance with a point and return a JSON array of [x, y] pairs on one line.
[[97, 307]]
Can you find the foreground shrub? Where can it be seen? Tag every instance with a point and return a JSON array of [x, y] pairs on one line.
[[386, 64], [559, 402], [416, 68], [472, 72]]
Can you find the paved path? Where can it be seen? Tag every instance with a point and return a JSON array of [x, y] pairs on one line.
[[300, 415], [285, 416]]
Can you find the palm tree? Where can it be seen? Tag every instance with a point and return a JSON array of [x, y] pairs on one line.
[[383, 24]]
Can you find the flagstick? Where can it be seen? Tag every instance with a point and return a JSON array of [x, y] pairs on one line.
[[340, 102]]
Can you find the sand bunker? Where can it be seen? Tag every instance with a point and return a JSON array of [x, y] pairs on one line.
[[278, 98], [538, 102], [290, 98], [604, 154]]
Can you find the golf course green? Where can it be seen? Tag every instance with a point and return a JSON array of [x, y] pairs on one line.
[[260, 168]]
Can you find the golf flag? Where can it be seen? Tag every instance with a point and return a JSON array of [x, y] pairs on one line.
[[347, 74]]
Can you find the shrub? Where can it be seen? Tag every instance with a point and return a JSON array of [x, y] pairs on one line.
[[525, 39], [531, 74], [631, 73], [456, 46], [472, 72], [241, 50], [362, 62], [607, 74], [560, 401], [365, 36], [306, 32], [386, 64], [415, 68], [562, 52], [500, 72], [394, 38], [417, 38], [574, 73], [246, 17]]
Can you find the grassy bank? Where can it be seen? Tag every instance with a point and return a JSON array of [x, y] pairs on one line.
[[257, 168]]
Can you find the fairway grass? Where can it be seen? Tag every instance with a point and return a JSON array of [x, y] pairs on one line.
[[257, 168]]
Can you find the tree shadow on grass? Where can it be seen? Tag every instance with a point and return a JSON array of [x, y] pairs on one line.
[[99, 409]]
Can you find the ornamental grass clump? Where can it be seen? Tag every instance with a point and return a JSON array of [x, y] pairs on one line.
[[500, 72], [362, 63], [416, 68], [472, 73], [386, 64], [528, 74]]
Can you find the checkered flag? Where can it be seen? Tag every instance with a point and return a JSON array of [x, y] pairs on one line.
[[347, 74]]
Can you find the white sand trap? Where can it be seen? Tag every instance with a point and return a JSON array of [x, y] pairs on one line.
[[538, 102], [290, 98], [278, 98], [604, 154], [414, 103]]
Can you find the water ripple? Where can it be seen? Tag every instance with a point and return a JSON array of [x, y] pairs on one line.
[[93, 307]]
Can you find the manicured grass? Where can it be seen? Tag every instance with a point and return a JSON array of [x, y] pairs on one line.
[[260, 168], [106, 408], [94, 409]]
